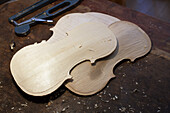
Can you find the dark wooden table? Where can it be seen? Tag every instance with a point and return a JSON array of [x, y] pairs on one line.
[[140, 87]]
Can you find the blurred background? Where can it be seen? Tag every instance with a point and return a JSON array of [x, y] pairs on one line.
[[159, 9]]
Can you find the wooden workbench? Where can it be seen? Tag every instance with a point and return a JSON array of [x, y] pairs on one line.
[[140, 87]]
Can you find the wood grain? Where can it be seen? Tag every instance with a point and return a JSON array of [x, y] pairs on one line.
[[72, 20], [87, 79], [133, 43], [44, 67]]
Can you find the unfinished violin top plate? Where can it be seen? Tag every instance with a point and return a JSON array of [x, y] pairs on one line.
[[40, 69], [133, 43]]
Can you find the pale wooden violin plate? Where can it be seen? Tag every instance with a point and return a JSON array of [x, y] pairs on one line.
[[70, 21], [133, 43], [40, 69]]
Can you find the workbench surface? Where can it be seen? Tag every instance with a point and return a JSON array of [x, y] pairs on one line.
[[140, 87]]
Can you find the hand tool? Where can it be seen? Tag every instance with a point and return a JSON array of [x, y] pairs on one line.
[[23, 28]]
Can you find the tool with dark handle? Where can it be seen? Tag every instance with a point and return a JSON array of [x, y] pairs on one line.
[[23, 28]]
